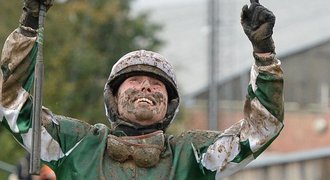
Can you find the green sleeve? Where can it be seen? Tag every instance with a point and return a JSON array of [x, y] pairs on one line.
[[262, 123], [59, 134]]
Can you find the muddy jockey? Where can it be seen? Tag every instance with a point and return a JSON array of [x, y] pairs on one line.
[[141, 100]]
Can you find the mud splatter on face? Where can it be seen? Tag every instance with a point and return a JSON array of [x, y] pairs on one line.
[[141, 106]]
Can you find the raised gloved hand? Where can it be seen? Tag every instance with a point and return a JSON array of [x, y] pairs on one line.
[[258, 23], [29, 17]]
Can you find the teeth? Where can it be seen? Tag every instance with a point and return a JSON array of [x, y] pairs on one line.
[[144, 100]]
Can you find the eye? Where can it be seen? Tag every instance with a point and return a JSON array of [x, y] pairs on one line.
[[156, 82], [133, 79]]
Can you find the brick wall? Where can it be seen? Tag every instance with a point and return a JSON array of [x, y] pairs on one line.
[[300, 131]]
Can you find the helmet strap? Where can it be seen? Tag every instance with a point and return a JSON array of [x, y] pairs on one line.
[[125, 128]]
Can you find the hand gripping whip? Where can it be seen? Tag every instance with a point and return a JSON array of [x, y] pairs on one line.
[[37, 101]]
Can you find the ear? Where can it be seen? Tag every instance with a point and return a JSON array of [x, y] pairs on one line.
[[172, 107], [110, 101], [115, 98], [115, 102]]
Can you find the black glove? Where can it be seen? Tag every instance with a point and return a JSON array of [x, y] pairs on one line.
[[258, 23], [29, 17]]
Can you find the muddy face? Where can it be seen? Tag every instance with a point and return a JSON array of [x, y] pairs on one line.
[[142, 99]]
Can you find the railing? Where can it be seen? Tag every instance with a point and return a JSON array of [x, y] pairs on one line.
[[7, 167], [308, 165]]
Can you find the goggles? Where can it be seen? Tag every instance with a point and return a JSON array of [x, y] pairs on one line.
[[144, 150]]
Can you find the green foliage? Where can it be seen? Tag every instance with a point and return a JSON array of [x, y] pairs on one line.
[[9, 15], [83, 39], [11, 151]]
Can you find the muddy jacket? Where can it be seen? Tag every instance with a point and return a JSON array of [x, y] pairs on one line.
[[77, 150]]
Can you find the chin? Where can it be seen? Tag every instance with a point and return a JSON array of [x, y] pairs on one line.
[[146, 122]]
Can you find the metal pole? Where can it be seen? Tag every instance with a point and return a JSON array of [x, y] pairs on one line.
[[213, 48], [37, 101]]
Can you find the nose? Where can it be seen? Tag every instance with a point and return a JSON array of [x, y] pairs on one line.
[[145, 86]]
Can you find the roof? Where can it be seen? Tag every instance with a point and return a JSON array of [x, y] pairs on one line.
[[299, 24]]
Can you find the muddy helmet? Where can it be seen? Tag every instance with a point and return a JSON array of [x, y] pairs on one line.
[[141, 62]]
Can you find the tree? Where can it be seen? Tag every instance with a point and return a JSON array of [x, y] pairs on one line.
[[83, 39]]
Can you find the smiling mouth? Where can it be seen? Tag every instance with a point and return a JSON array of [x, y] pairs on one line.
[[145, 100]]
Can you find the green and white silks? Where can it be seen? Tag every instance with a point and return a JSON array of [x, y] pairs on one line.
[[77, 150]]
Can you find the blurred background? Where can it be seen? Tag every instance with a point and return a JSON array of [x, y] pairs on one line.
[[210, 53]]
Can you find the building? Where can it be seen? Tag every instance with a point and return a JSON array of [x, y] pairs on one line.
[[306, 92], [185, 31], [303, 45]]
